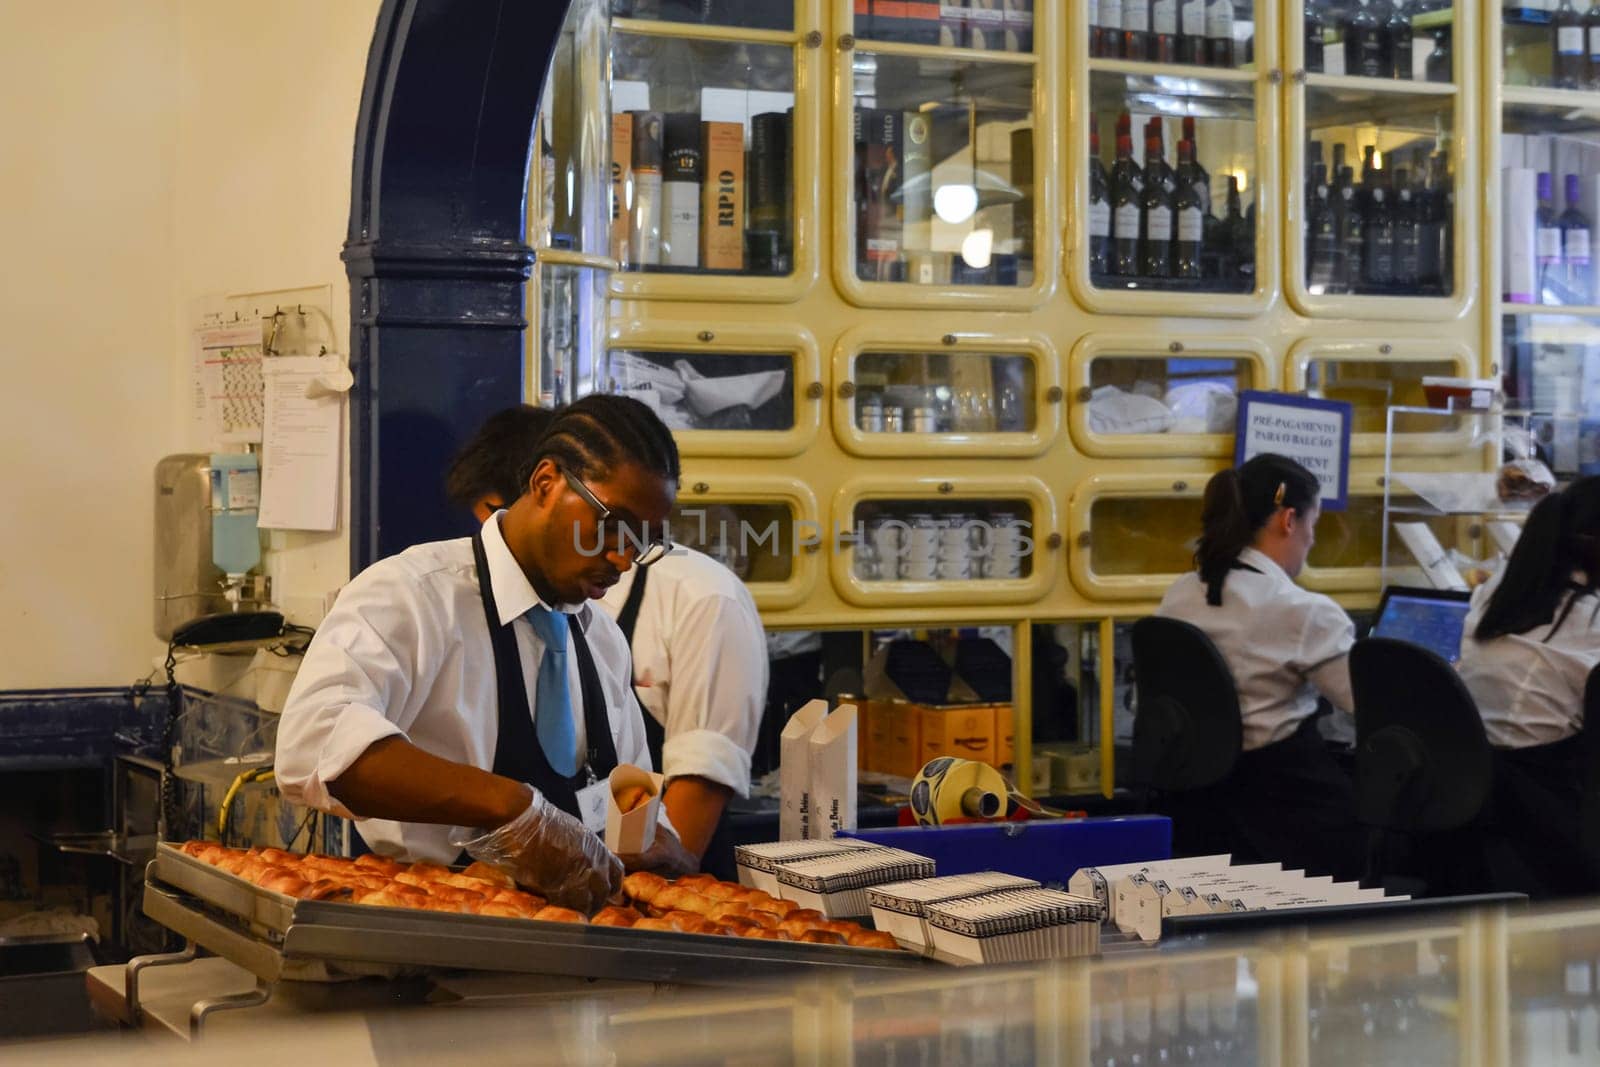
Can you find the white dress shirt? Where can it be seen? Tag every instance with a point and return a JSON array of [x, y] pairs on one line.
[[699, 665], [1284, 644], [1529, 686], [405, 651]]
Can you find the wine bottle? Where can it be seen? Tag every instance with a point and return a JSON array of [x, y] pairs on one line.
[[1314, 29], [1547, 237], [1219, 34], [1164, 30], [1135, 29], [1244, 244], [1156, 167], [1108, 35], [1202, 176], [1155, 216], [1444, 207], [1350, 223], [1100, 251], [1191, 219], [1407, 233], [1441, 61], [1127, 187], [1192, 30], [1576, 272], [1322, 237], [1591, 25], [1571, 66], [1228, 235], [1397, 40], [1363, 43], [1430, 236], [1377, 236]]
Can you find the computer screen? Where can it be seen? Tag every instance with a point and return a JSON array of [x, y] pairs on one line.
[[1434, 622]]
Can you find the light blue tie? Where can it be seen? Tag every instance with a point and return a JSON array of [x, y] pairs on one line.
[[552, 712]]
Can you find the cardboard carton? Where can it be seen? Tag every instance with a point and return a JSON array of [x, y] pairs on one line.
[[632, 832]]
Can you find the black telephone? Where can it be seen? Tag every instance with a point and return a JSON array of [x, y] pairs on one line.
[[228, 627]]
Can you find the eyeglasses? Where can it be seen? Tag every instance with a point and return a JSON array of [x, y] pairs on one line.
[[647, 551]]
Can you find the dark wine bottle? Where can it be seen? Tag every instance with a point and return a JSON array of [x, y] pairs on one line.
[[1314, 29], [1192, 32], [1127, 187], [1322, 237], [1407, 233], [1155, 216], [1363, 43], [1430, 235], [1397, 40], [1350, 222], [1577, 277], [1202, 176], [1571, 67], [1191, 217], [1109, 36], [1441, 61], [1227, 247], [1219, 34], [1135, 29], [1591, 25], [1100, 251], [1547, 238], [1164, 31], [1377, 236]]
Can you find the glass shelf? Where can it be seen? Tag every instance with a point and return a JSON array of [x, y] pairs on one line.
[[980, 397], [1194, 234], [743, 15], [941, 177], [702, 156], [1133, 398]]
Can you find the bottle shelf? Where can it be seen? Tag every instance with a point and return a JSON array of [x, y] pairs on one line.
[[1175, 71], [952, 55], [1133, 283], [1353, 84], [1555, 99], [700, 31], [1580, 311]]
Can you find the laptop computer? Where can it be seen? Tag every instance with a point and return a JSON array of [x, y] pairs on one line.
[[1432, 618]]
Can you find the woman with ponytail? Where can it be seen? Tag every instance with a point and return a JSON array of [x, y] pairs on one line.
[[1288, 799], [1530, 641]]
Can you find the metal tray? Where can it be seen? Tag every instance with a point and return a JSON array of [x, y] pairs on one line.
[[276, 936]]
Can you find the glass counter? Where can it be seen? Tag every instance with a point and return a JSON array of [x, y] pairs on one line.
[[941, 176]]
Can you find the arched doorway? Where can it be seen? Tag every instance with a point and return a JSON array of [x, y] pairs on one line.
[[436, 250]]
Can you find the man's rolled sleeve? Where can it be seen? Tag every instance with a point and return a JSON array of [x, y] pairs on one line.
[[707, 754]]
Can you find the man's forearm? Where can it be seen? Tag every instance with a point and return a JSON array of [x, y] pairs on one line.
[[695, 805], [394, 779]]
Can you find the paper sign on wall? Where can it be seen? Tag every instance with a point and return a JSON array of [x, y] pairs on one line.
[[1313, 433]]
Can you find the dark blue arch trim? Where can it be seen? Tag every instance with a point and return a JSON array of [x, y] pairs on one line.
[[435, 253]]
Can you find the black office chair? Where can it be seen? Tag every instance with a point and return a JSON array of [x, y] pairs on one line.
[[1186, 732], [1589, 807], [1423, 763]]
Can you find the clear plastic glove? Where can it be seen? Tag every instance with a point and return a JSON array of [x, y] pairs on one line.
[[666, 857], [549, 851]]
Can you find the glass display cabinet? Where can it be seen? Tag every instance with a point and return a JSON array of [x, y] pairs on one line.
[[1382, 114]]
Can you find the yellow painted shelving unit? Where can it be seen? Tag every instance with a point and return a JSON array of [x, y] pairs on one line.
[[1113, 513]]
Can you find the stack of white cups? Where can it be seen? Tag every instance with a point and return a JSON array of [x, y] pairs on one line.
[[919, 549], [957, 539], [1003, 555]]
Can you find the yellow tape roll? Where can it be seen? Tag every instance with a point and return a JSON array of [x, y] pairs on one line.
[[949, 788]]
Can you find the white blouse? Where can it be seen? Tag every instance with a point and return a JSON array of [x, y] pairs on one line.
[[1284, 644], [1529, 686]]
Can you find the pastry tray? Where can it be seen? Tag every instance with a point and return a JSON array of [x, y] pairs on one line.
[[279, 937]]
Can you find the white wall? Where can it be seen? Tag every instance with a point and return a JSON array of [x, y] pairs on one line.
[[155, 152], [88, 99]]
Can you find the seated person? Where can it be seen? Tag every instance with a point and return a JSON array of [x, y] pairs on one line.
[[1530, 641], [1287, 799]]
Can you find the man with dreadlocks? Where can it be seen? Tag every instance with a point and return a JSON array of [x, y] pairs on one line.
[[465, 695]]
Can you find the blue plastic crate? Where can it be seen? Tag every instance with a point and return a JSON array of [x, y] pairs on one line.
[[1045, 849]]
